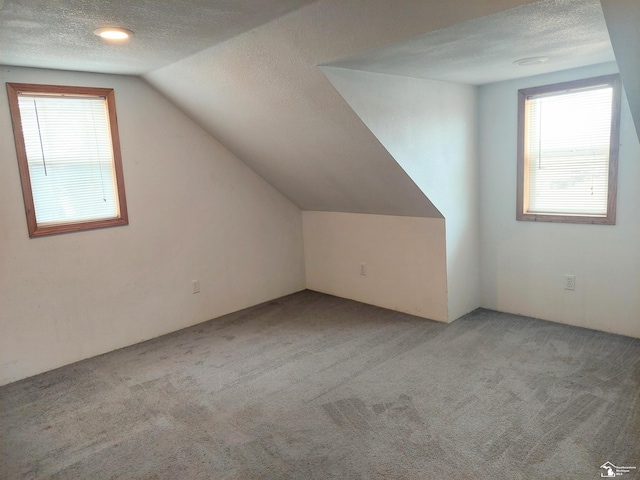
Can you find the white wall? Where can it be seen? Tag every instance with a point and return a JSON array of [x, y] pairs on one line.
[[524, 263], [196, 212], [404, 259], [430, 129]]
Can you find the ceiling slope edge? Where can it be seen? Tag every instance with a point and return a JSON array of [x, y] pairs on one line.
[[566, 34], [263, 97], [623, 22], [428, 127], [311, 185], [58, 34]]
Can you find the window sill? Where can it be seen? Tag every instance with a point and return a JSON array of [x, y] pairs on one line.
[[41, 231], [564, 218]]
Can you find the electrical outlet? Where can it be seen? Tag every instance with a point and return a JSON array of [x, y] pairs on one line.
[[363, 269], [195, 286], [569, 282]]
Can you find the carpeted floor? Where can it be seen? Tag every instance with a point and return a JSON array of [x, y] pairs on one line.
[[316, 387]]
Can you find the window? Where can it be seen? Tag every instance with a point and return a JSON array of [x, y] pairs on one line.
[[69, 157], [568, 151]]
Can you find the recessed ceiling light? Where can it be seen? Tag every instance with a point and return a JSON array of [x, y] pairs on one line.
[[113, 33], [525, 62]]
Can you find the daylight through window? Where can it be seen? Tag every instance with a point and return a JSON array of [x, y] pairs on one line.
[[69, 157], [567, 158]]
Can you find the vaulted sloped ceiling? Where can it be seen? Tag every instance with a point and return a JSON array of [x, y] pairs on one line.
[[623, 20], [247, 72], [263, 96]]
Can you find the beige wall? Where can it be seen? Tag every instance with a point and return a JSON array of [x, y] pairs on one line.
[[404, 258], [524, 263], [196, 212]]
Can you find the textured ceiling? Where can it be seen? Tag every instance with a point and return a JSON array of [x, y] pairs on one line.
[[59, 33], [571, 33], [246, 71], [262, 95]]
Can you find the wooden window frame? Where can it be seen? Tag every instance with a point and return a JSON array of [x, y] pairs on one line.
[[35, 230], [522, 202]]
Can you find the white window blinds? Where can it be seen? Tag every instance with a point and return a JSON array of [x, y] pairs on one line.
[[567, 151], [70, 158]]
